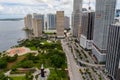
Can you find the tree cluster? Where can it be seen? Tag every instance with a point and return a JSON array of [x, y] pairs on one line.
[[4, 60]]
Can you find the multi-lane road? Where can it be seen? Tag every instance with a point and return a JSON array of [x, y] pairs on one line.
[[73, 69]]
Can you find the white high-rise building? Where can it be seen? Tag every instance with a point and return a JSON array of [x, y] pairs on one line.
[[37, 27], [28, 21], [105, 11]]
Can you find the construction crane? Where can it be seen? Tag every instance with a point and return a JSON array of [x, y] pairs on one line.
[[89, 7]]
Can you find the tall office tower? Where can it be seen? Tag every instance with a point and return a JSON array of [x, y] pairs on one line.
[[105, 10], [34, 27], [29, 21], [51, 21], [86, 38], [67, 22], [113, 52], [40, 16], [60, 24], [76, 18]]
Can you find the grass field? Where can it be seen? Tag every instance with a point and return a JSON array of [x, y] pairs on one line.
[[18, 78]]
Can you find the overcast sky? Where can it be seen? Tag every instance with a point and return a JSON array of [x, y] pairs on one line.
[[40, 6]]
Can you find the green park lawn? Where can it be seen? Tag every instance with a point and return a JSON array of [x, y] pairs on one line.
[[19, 78], [51, 55]]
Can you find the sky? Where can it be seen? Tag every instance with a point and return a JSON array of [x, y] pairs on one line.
[[23, 7]]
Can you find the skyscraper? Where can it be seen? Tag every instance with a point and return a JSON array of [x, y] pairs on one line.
[[67, 22], [60, 23], [76, 18], [40, 16], [39, 27], [77, 6], [51, 21], [29, 21], [34, 27], [105, 10], [113, 52], [25, 22], [87, 26]]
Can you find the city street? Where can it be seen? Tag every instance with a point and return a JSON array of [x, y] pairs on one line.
[[73, 50], [73, 69]]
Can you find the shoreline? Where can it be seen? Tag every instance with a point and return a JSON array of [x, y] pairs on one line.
[[14, 46], [10, 33]]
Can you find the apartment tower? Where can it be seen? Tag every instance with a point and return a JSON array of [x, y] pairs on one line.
[[39, 27], [25, 22], [29, 21]]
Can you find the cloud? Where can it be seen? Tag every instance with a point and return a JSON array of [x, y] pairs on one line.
[[55, 5], [40, 6], [19, 1], [1, 8], [48, 2], [21, 6]]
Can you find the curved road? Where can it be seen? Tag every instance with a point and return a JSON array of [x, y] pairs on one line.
[[86, 63], [89, 64]]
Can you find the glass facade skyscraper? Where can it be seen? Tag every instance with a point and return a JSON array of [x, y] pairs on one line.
[[51, 21], [105, 11]]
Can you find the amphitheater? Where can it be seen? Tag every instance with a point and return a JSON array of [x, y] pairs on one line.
[[19, 51]]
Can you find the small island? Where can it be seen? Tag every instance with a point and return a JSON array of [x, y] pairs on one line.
[[11, 19]]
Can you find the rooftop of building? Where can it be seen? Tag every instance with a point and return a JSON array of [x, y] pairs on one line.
[[116, 23], [87, 10]]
